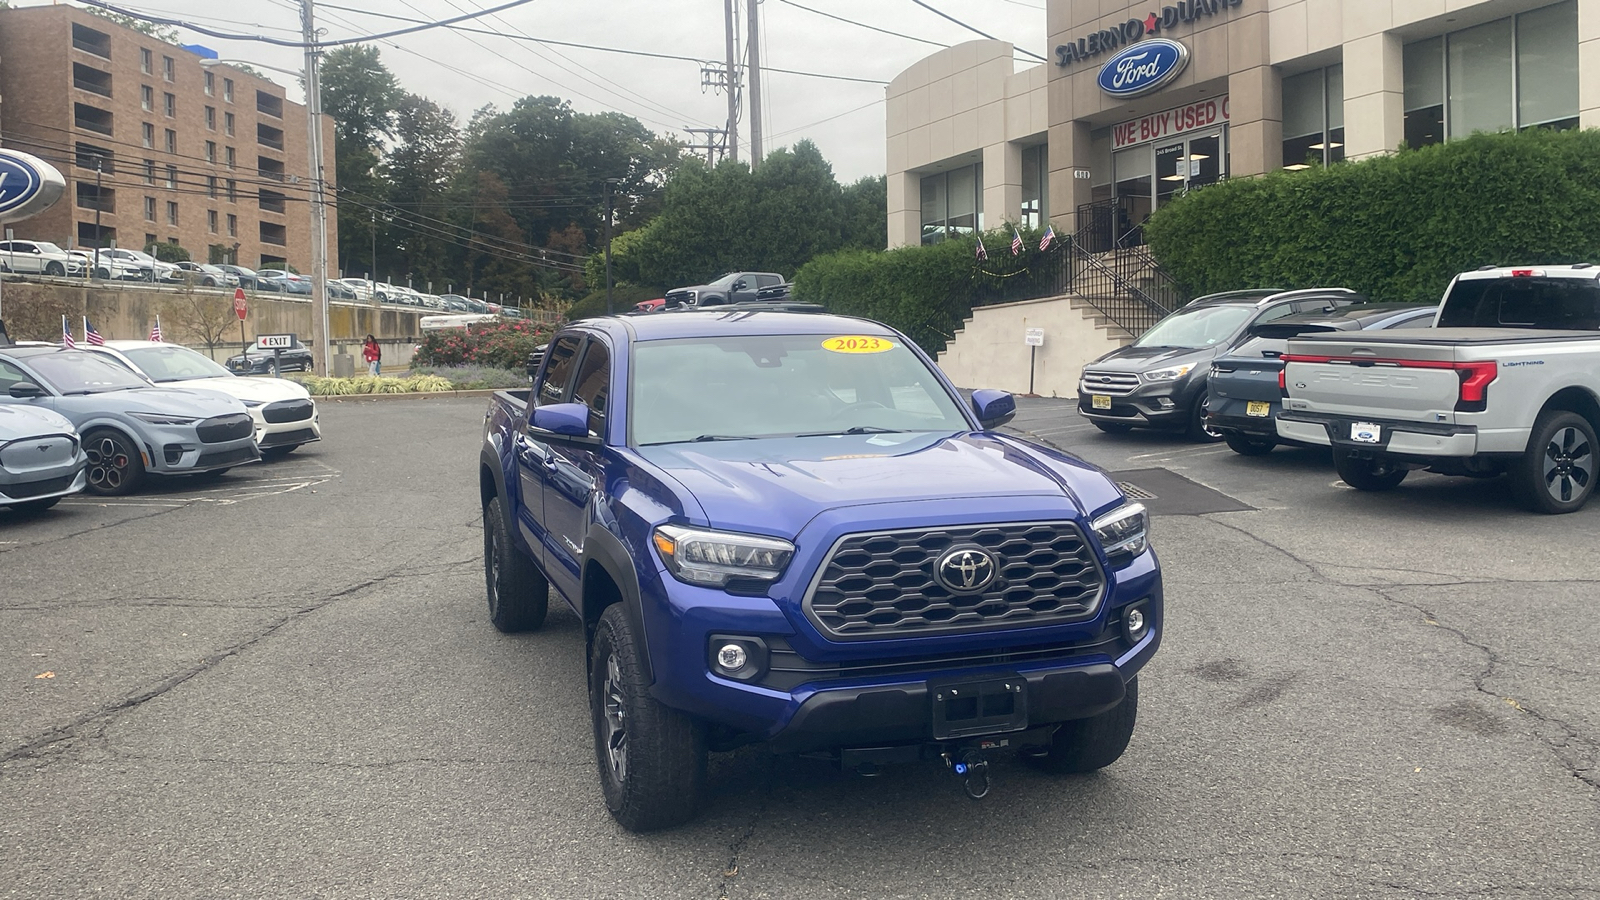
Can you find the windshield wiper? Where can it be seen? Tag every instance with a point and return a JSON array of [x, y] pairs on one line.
[[855, 429], [721, 437]]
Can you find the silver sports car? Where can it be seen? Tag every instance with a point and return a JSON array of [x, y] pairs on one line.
[[41, 458]]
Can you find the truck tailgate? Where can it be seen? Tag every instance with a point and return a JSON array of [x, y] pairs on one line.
[[1380, 376]]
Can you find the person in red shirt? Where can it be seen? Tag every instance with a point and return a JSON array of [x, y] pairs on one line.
[[372, 353]]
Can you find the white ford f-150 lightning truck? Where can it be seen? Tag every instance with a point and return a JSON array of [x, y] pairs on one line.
[[1506, 382]]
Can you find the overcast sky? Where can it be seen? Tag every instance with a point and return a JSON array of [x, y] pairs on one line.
[[464, 72]]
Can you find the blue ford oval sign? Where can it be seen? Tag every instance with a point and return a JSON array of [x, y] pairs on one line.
[[28, 186], [1143, 67]]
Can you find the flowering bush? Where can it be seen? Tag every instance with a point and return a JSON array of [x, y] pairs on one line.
[[498, 345]]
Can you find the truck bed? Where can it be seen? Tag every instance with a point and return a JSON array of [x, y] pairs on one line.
[[1434, 337]]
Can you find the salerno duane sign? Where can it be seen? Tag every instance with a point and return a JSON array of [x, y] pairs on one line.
[[1106, 40]]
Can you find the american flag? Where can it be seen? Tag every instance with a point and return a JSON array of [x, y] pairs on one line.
[[92, 336], [983, 252], [155, 331], [1016, 241], [1049, 237], [67, 343]]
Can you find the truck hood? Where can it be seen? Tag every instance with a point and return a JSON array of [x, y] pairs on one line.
[[1144, 359], [778, 485]]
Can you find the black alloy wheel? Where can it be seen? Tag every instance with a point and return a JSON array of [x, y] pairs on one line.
[[1556, 474], [1198, 429], [115, 466]]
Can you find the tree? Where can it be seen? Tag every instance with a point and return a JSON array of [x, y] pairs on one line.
[[419, 171], [167, 252], [361, 95], [159, 32], [202, 318]]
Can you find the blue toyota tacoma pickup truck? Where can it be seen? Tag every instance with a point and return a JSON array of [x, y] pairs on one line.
[[790, 529]]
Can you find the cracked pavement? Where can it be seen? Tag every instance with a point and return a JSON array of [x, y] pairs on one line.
[[1359, 695]]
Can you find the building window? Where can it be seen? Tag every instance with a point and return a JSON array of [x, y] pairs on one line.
[[227, 124], [952, 203], [233, 225], [269, 104], [172, 176], [166, 68], [1313, 118], [148, 132], [147, 98], [1511, 73], [211, 84], [211, 221], [227, 90], [1035, 186], [94, 158], [90, 235], [147, 61], [231, 157], [149, 241], [149, 171], [271, 201], [171, 103], [211, 118], [233, 191], [91, 41], [172, 212], [172, 141], [211, 186], [273, 234], [211, 152], [150, 209], [267, 136]]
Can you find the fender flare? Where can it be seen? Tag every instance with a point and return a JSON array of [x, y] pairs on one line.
[[489, 458], [604, 549]]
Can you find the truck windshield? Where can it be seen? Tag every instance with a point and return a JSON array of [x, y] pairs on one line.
[[1558, 303], [764, 386], [1197, 327]]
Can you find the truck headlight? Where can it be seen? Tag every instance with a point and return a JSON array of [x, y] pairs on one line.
[[1172, 373], [160, 419], [720, 558], [1124, 532]]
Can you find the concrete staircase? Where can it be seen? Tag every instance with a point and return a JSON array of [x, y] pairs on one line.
[[989, 350]]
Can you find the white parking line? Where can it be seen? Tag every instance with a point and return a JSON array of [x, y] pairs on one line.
[[310, 474]]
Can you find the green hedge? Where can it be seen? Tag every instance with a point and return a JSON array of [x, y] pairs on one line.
[[623, 297], [1396, 227], [928, 291]]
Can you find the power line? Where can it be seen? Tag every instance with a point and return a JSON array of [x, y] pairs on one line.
[[862, 24], [974, 30], [828, 119], [179, 23]]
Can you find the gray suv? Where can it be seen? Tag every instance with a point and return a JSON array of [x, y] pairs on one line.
[[1159, 381]]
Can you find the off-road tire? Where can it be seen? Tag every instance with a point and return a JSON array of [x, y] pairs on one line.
[[663, 774], [1085, 745], [115, 466], [1245, 445], [1367, 474], [519, 595], [1556, 473], [1198, 430], [1112, 427]]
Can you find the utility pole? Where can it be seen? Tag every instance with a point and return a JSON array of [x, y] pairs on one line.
[[319, 209], [609, 183], [99, 201], [732, 84], [755, 85]]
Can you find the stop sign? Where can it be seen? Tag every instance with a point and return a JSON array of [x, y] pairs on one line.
[[238, 303]]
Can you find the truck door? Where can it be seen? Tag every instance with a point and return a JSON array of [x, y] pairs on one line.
[[743, 289], [535, 457], [574, 473]]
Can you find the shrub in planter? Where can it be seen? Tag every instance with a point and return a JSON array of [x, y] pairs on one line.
[[497, 345]]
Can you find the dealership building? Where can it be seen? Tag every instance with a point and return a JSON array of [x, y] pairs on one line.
[[1139, 101]]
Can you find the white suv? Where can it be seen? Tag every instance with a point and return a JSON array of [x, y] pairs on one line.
[[38, 258]]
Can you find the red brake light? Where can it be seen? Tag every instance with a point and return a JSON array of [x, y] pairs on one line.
[[1475, 380], [1283, 381], [1527, 273]]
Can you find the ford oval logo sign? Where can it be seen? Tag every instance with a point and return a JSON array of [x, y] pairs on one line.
[[28, 185], [1143, 67]]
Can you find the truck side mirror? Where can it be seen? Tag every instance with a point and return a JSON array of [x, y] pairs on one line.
[[993, 408], [568, 421]]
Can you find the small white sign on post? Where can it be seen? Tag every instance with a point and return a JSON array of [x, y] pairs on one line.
[[1034, 337], [276, 341]]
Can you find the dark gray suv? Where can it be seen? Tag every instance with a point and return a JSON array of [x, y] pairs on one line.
[[1159, 381]]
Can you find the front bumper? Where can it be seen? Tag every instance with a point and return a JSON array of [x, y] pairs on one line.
[[1159, 405], [178, 450], [70, 480], [1421, 440]]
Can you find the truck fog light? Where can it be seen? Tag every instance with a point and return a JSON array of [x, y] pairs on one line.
[[737, 656], [731, 657], [1135, 623]]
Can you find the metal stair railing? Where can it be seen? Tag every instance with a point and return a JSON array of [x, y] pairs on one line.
[[1113, 293]]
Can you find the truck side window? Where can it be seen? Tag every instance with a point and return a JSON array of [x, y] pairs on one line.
[[558, 371], [594, 376]]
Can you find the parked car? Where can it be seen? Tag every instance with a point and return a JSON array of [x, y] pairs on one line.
[[247, 277], [206, 275], [477, 306], [650, 306], [284, 413], [1243, 395], [338, 290], [258, 360], [360, 287], [41, 456], [792, 530], [1159, 381], [734, 287], [290, 282], [130, 428], [1504, 383], [110, 268], [150, 268], [38, 258]]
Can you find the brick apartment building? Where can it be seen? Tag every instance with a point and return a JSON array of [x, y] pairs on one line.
[[209, 157]]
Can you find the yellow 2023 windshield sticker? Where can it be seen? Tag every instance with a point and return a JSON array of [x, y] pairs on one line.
[[857, 343]]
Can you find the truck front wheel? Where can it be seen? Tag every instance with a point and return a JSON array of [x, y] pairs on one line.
[[519, 596], [652, 758], [1085, 745], [1556, 474], [1367, 474]]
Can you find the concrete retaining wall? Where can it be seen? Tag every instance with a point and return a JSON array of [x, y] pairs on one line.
[[989, 350]]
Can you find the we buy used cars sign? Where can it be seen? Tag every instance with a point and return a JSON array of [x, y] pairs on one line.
[[1166, 123]]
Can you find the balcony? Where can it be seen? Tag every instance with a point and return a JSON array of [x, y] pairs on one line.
[[88, 156], [269, 104], [89, 118], [271, 169], [91, 41], [272, 201], [274, 234], [103, 199], [88, 78], [267, 136]]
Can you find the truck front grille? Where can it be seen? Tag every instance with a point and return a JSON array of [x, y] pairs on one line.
[[1115, 384], [881, 585]]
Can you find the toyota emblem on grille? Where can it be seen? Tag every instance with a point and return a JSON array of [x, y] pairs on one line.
[[965, 570]]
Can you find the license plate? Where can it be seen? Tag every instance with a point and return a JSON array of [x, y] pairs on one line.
[[1258, 408], [1365, 432], [1100, 401], [961, 709]]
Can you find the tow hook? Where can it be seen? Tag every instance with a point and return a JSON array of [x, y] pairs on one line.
[[972, 767]]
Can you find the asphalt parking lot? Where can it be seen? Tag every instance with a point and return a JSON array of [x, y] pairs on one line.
[[283, 684]]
